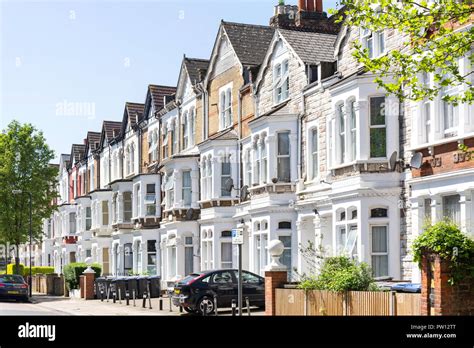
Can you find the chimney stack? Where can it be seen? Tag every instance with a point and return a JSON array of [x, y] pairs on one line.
[[307, 16]]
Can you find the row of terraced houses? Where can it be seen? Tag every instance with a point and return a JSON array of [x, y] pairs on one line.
[[280, 132]]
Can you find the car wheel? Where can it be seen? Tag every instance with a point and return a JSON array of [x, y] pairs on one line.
[[24, 299], [206, 300]]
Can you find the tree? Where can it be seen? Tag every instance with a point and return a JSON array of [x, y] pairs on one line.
[[435, 36], [24, 165]]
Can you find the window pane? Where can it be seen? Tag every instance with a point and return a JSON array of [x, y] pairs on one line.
[[380, 265], [379, 239], [286, 240], [151, 246], [283, 143], [377, 111], [452, 208], [128, 256], [284, 169], [378, 142], [188, 260]]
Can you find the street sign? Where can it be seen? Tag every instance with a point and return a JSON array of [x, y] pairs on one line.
[[237, 236]]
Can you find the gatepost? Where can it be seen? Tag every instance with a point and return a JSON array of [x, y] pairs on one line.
[[276, 275]]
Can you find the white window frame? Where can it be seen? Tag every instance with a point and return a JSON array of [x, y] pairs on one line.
[[225, 106], [377, 41], [384, 126], [280, 156], [341, 132], [185, 189], [378, 254], [313, 152], [352, 126], [281, 80]]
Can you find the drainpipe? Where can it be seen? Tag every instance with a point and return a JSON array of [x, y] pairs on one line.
[[140, 134], [239, 144]]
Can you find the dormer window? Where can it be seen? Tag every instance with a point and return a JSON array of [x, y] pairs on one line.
[[281, 81], [225, 107]]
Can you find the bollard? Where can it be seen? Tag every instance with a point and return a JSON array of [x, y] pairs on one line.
[[127, 298], [181, 309], [204, 309], [161, 303], [120, 295], [114, 297], [149, 295], [134, 296], [234, 307], [101, 295], [108, 294], [215, 305], [144, 301], [171, 308], [247, 303]]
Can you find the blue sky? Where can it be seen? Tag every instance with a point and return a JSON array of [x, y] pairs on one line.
[[66, 66]]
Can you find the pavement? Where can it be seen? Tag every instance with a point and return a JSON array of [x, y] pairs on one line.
[[43, 305]]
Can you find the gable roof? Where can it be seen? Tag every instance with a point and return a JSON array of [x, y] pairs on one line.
[[77, 153], [133, 113], [110, 130], [158, 93], [194, 67], [91, 139], [312, 48], [250, 42]]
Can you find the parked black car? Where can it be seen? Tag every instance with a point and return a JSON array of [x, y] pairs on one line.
[[13, 287], [198, 289]]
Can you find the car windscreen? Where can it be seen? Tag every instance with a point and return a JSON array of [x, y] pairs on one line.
[[11, 279]]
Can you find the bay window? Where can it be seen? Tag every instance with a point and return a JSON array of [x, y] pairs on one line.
[[353, 130], [283, 157], [341, 133], [105, 213], [450, 113], [378, 128], [314, 159], [226, 255], [264, 157], [225, 175], [174, 138], [188, 255], [192, 127], [88, 218], [186, 188], [248, 168], [257, 162], [150, 200], [151, 257], [380, 250], [72, 223], [127, 206], [452, 208]]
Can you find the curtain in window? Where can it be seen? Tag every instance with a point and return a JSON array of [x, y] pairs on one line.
[[226, 255], [452, 208], [380, 251], [283, 162], [378, 131]]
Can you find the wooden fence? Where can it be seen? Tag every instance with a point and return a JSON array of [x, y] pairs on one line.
[[356, 303]]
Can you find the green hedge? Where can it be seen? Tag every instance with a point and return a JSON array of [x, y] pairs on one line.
[[11, 267], [39, 270], [25, 271], [73, 271]]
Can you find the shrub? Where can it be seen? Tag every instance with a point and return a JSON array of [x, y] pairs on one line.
[[446, 240], [39, 270], [341, 274], [73, 271], [11, 267]]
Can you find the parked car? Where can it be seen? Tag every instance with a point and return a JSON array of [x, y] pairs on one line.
[[198, 289], [13, 287]]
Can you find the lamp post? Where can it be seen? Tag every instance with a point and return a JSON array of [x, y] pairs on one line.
[[19, 192]]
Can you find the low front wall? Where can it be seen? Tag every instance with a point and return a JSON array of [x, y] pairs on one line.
[[352, 303], [49, 284]]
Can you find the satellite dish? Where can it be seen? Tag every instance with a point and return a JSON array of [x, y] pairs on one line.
[[244, 193], [417, 160], [274, 180], [189, 214], [229, 185], [393, 161]]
